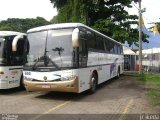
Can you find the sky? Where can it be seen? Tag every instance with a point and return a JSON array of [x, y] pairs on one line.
[[152, 13], [43, 8], [26, 9]]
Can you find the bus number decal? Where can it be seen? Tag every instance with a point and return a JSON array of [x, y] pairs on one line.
[[27, 73]]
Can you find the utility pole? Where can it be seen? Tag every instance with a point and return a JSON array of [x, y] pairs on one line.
[[140, 37], [140, 34]]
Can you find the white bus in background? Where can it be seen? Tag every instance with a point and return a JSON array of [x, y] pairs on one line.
[[70, 57], [151, 59], [12, 58]]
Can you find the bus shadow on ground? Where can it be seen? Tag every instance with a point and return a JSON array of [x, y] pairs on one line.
[[113, 89], [11, 91], [75, 96], [57, 96]]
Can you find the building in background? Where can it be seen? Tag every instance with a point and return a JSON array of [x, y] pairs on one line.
[[150, 50]]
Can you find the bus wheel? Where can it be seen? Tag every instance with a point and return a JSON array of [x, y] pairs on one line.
[[118, 73], [93, 84], [22, 83]]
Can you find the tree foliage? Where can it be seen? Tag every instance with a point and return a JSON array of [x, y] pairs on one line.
[[158, 26], [106, 16], [22, 25]]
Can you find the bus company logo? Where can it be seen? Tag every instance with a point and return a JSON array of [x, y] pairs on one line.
[[45, 78], [113, 66]]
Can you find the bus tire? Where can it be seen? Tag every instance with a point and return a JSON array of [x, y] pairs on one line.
[[22, 83], [93, 84], [118, 73]]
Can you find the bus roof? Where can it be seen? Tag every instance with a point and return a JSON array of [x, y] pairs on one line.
[[8, 33], [66, 25], [54, 26]]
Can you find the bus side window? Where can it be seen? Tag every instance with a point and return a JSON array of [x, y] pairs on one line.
[[100, 42], [107, 45], [83, 49], [115, 48], [91, 42], [83, 43], [111, 47], [119, 49]]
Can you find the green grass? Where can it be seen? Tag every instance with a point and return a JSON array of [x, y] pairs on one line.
[[142, 77], [152, 82], [154, 97], [153, 79]]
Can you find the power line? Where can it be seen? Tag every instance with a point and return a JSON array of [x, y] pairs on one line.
[[150, 22], [135, 6]]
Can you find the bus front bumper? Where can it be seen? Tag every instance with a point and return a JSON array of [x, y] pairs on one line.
[[59, 86], [3, 84]]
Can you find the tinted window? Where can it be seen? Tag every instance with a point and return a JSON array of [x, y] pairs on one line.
[[100, 42], [91, 39], [107, 45], [115, 48], [118, 49], [111, 47], [121, 49], [82, 43]]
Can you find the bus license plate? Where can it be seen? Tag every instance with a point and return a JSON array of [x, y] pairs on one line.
[[46, 86]]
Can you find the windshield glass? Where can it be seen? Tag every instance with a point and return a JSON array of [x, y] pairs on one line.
[[7, 56], [1, 49], [50, 48]]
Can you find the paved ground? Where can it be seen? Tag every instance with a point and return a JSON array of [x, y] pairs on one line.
[[118, 96]]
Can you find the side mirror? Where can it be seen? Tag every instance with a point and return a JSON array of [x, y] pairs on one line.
[[15, 41], [75, 38]]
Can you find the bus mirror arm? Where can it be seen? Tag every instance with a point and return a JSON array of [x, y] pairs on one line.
[[75, 38], [15, 41]]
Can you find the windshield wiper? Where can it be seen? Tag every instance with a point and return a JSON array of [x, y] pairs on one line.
[[42, 58], [53, 63], [34, 65]]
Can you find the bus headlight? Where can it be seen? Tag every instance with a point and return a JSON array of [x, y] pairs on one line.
[[67, 78], [28, 79]]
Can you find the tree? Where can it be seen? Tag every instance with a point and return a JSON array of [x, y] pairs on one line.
[[106, 16], [158, 26], [22, 25], [69, 11], [9, 28]]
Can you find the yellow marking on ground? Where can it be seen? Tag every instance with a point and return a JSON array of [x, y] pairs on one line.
[[122, 116], [51, 110]]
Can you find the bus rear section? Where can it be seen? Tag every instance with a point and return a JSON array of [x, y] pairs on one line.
[[70, 57], [12, 58]]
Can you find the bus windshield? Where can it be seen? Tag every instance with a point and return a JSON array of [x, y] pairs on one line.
[[1, 49], [50, 49], [7, 56]]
